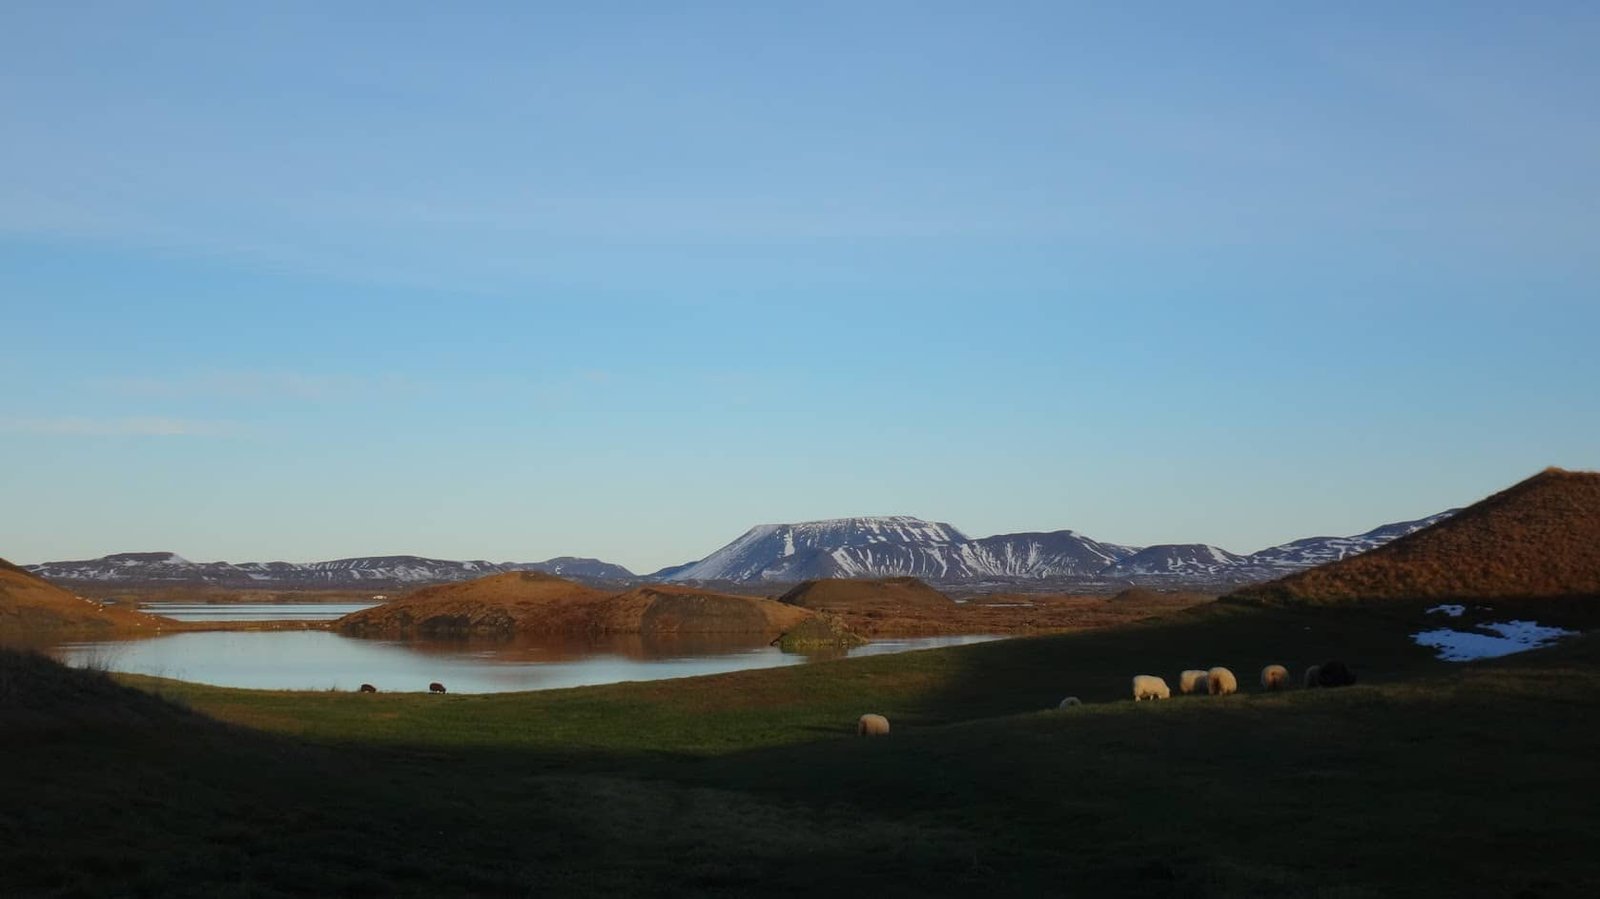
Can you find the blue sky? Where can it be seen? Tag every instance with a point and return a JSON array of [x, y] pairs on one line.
[[509, 281]]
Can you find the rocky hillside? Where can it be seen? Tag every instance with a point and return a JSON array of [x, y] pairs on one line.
[[1537, 539]]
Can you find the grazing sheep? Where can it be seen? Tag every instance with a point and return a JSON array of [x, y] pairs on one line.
[[1312, 676], [1069, 702], [1335, 673], [872, 726], [436, 687], [1148, 686], [1192, 681], [1274, 677], [1220, 682], [368, 688]]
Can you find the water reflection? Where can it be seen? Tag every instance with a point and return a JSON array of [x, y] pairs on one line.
[[320, 660], [254, 611], [549, 648]]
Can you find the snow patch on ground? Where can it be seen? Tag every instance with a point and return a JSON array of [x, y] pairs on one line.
[[1454, 611], [1513, 636]]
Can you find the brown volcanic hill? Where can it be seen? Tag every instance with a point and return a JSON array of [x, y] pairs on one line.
[[661, 608], [531, 602], [517, 601], [1538, 539], [893, 594], [31, 604]]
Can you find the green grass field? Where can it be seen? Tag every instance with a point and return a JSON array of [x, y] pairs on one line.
[[1426, 779]]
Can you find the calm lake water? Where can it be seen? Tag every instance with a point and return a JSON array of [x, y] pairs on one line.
[[254, 611], [320, 660]]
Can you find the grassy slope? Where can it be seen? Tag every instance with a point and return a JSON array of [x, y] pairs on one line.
[[1426, 780], [30, 606], [1538, 538]]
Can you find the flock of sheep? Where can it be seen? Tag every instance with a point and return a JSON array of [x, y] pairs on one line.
[[1217, 681], [1220, 681]]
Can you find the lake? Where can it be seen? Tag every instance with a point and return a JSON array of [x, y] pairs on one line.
[[254, 611], [321, 660]]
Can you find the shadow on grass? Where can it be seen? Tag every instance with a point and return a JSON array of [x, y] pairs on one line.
[[1410, 784]]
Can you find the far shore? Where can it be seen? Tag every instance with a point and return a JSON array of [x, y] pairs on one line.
[[1013, 614]]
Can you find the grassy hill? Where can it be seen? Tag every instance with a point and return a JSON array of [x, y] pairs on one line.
[[31, 606], [500, 603], [532, 602], [1539, 539], [753, 783]]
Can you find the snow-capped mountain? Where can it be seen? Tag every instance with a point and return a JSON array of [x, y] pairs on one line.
[[574, 567], [893, 546], [838, 547], [1312, 551], [1036, 555], [156, 567], [903, 546], [171, 568], [1192, 560], [897, 546]]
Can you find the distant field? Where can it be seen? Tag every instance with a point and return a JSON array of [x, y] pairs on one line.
[[1425, 779]]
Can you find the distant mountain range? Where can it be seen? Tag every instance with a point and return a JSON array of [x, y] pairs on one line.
[[368, 571], [892, 546], [910, 547]]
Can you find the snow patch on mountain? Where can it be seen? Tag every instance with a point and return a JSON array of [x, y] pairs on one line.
[[170, 568], [1312, 551], [897, 546], [836, 547], [901, 546], [1176, 559]]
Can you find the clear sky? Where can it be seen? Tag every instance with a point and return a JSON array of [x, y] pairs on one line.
[[511, 281]]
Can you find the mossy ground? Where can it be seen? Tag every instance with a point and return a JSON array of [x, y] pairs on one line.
[[1425, 779]]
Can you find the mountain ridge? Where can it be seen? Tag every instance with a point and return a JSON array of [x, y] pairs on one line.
[[866, 547], [855, 547], [354, 571]]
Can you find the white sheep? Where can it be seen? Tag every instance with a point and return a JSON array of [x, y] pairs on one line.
[[1069, 702], [872, 726], [1192, 681], [1274, 677], [1314, 676], [1220, 682], [1148, 686]]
